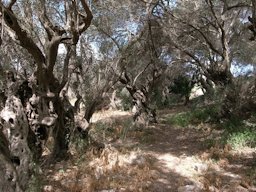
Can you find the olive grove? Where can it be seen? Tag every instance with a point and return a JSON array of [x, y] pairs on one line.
[[61, 61]]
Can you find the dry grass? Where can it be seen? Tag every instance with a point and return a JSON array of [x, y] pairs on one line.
[[130, 165]]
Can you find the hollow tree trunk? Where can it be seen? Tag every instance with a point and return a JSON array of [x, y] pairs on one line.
[[9, 178], [16, 129], [45, 58]]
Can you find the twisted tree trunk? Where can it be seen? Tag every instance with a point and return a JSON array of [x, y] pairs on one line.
[[9, 178], [46, 88], [142, 113], [16, 130]]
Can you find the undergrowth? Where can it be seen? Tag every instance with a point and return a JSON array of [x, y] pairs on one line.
[[238, 134], [194, 117], [235, 131]]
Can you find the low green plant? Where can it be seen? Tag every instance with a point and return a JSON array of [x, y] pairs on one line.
[[238, 134], [210, 113], [208, 143], [182, 119], [232, 125], [242, 138], [115, 129], [81, 144], [196, 116]]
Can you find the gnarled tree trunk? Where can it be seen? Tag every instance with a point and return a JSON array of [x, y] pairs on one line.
[[46, 87], [16, 130], [142, 113], [9, 178]]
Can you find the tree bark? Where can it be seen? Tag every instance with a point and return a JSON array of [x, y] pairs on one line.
[[16, 129], [46, 86], [9, 178], [60, 132], [90, 110]]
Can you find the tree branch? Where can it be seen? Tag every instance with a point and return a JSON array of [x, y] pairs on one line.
[[86, 19], [25, 41], [206, 39], [235, 6], [140, 73], [11, 4], [108, 35], [65, 68], [50, 29]]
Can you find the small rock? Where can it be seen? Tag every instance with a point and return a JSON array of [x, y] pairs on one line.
[[140, 161], [189, 188], [48, 188], [200, 167]]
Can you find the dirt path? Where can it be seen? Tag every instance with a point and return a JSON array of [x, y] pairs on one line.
[[161, 158], [185, 163], [176, 151]]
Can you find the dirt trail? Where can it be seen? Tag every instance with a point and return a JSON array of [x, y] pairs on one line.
[[176, 151], [161, 158], [185, 163]]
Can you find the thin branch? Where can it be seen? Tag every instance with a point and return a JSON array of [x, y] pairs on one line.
[[192, 56], [12, 2], [86, 19], [112, 38], [225, 55], [140, 73], [206, 39], [210, 4], [51, 30], [254, 11], [235, 6]]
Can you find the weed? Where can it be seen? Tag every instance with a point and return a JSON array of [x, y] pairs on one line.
[[251, 174], [182, 119], [237, 134], [242, 138], [194, 116], [108, 131], [124, 127]]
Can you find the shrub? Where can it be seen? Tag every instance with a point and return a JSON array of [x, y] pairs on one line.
[[240, 100], [237, 134], [194, 116], [242, 138]]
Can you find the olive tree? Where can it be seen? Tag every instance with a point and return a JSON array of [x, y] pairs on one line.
[[40, 29]]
